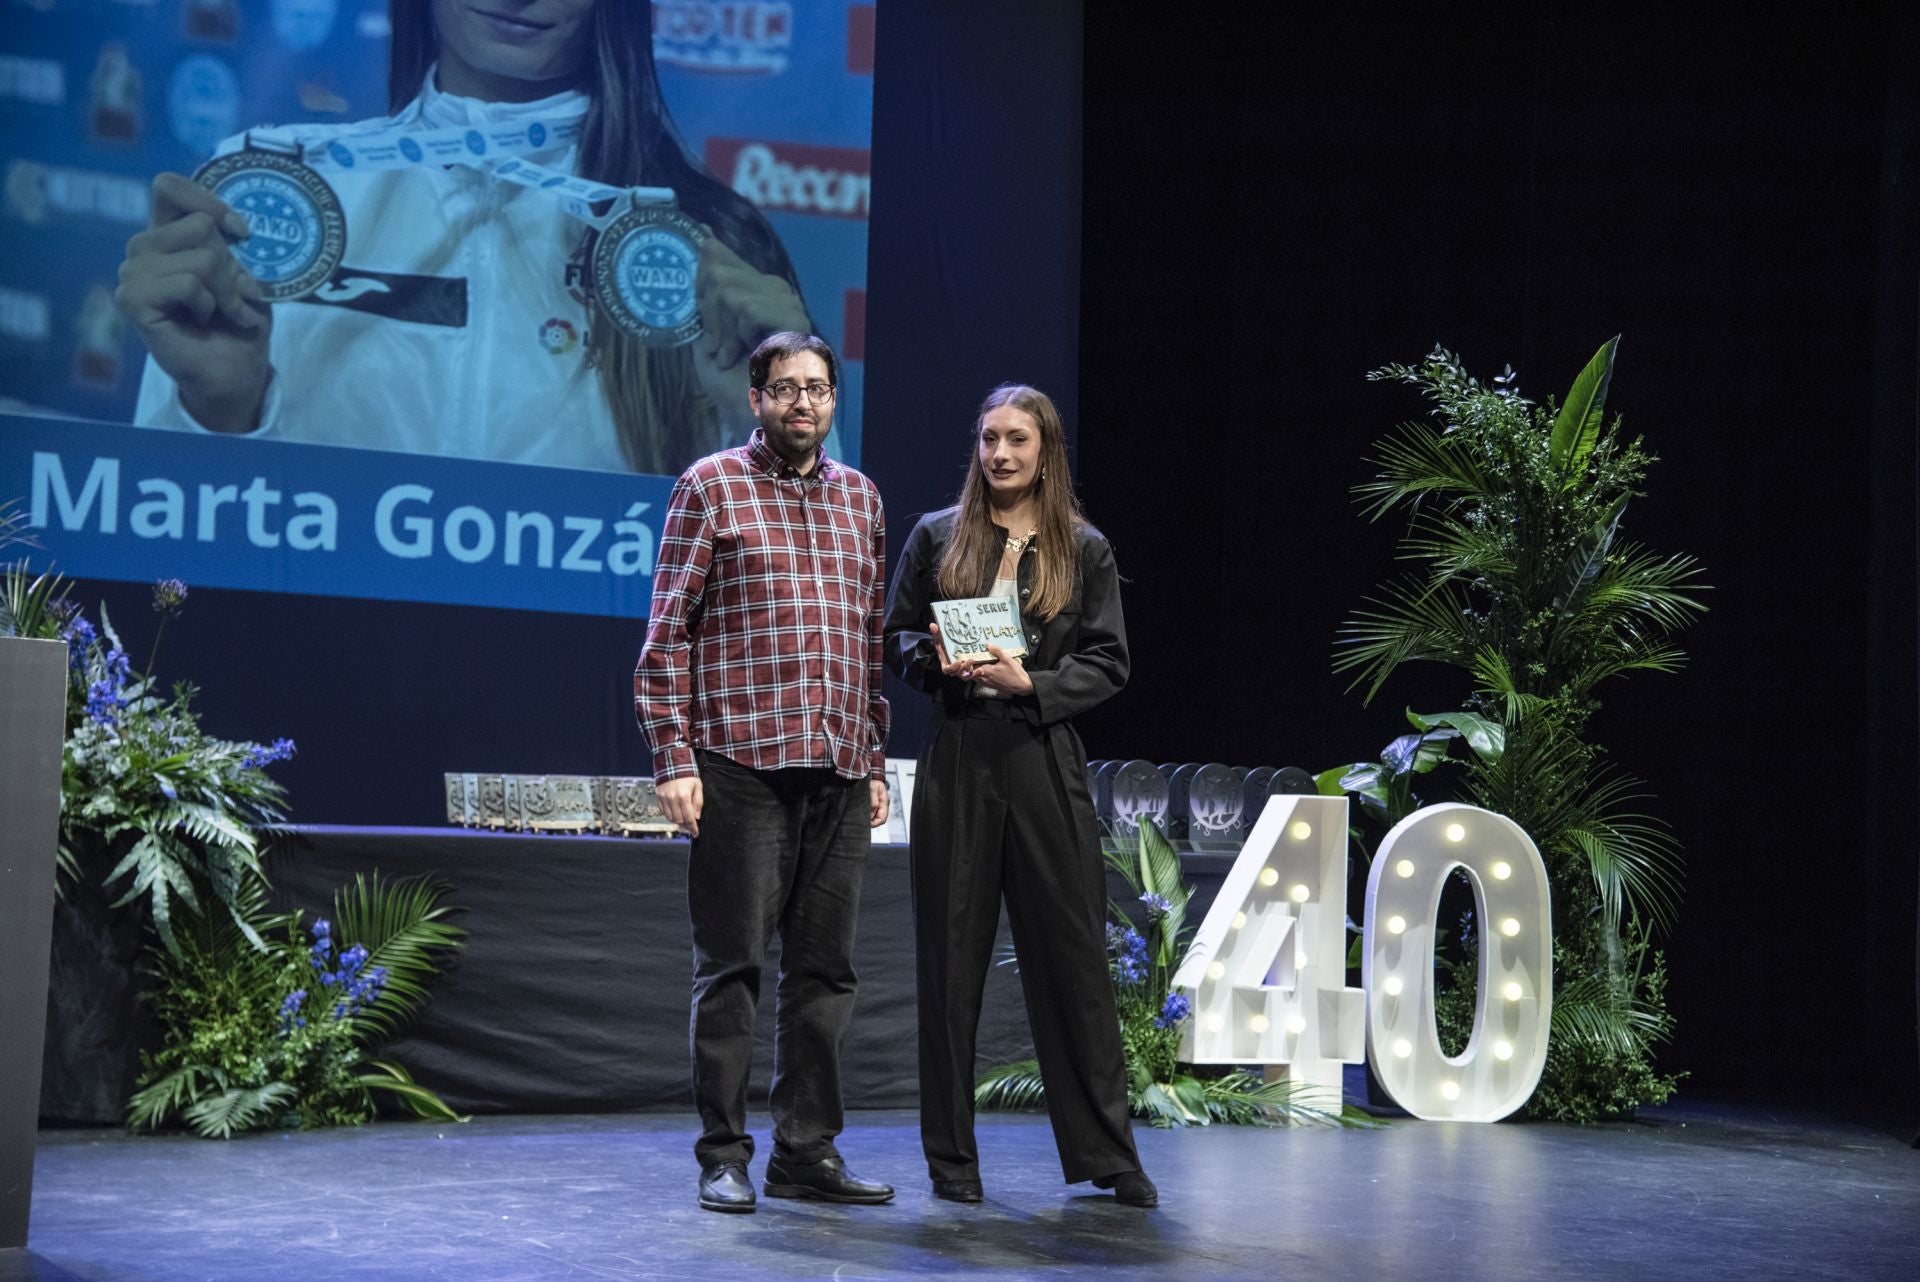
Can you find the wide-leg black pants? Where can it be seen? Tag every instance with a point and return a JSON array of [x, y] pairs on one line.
[[1001, 809]]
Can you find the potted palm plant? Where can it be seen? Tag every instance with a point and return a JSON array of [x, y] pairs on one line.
[[1527, 583]]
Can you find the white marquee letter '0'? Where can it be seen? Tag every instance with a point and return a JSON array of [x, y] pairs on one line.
[[1502, 1062], [1267, 969]]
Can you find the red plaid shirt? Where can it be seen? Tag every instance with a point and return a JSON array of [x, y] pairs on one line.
[[768, 605]]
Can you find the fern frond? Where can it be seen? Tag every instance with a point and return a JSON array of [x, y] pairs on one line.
[[239, 1109], [1015, 1085]]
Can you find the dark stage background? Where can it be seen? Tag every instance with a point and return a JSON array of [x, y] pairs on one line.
[[1279, 198], [1198, 229]]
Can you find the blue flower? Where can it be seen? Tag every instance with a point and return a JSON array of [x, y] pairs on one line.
[[293, 1001], [1129, 953], [1157, 905], [258, 756], [104, 702], [1177, 1008], [322, 928], [80, 638]]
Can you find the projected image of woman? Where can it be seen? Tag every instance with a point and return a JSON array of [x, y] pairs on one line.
[[460, 321], [1001, 807]]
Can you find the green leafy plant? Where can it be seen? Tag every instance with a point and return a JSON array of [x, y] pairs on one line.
[[1526, 583], [171, 807], [283, 1035], [1384, 788], [1160, 1089]]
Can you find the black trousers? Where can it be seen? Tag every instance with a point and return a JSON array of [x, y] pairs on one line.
[[1001, 809], [778, 850]]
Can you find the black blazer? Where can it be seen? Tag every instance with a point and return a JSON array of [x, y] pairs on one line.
[[1077, 659]]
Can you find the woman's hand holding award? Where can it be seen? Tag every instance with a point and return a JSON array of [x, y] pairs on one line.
[[982, 639]]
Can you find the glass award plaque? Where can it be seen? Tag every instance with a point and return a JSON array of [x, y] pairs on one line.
[[1139, 794], [971, 624]]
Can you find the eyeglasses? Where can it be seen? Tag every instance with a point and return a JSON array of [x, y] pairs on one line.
[[788, 393]]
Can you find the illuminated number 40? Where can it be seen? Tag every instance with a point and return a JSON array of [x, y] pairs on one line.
[[1266, 972]]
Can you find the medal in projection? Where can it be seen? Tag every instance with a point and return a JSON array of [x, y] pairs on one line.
[[299, 231], [644, 265]]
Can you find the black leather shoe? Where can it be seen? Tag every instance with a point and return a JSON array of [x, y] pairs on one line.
[[1132, 1188], [725, 1187], [958, 1190], [828, 1179]]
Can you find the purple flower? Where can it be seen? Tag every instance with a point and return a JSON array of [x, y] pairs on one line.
[[1177, 1008], [168, 596], [1157, 905]]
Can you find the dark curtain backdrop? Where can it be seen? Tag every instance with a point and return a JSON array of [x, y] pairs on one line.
[[1280, 197]]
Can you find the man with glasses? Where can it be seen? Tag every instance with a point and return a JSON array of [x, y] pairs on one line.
[[759, 691]]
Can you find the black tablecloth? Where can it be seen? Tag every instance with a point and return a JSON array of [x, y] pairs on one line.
[[571, 993]]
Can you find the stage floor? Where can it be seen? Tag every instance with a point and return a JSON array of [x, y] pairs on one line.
[[1697, 1192]]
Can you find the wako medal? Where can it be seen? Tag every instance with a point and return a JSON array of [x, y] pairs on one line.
[[644, 265], [299, 231]]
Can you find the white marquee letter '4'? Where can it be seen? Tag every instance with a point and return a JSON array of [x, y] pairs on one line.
[[1513, 1006], [1267, 969]]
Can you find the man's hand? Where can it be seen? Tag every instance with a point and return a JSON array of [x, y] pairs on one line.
[[682, 799], [877, 802]]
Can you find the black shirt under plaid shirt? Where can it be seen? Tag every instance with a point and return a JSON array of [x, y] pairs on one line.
[[769, 598]]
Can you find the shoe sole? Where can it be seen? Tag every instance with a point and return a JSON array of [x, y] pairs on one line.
[[805, 1191], [727, 1208]]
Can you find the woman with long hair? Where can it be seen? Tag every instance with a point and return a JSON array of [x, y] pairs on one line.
[[461, 321], [1001, 807]]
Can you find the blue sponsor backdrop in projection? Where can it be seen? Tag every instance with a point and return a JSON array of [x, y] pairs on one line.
[[97, 96]]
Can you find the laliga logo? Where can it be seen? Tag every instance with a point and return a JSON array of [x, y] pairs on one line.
[[1266, 972]]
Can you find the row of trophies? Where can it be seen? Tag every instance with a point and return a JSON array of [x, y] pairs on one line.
[[557, 803], [1207, 806], [1210, 805], [618, 807]]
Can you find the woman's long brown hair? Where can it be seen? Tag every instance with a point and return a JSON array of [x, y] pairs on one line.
[[664, 419], [974, 548]]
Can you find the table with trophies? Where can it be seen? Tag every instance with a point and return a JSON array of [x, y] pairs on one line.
[[570, 994]]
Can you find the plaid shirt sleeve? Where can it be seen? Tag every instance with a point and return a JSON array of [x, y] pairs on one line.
[[663, 679]]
